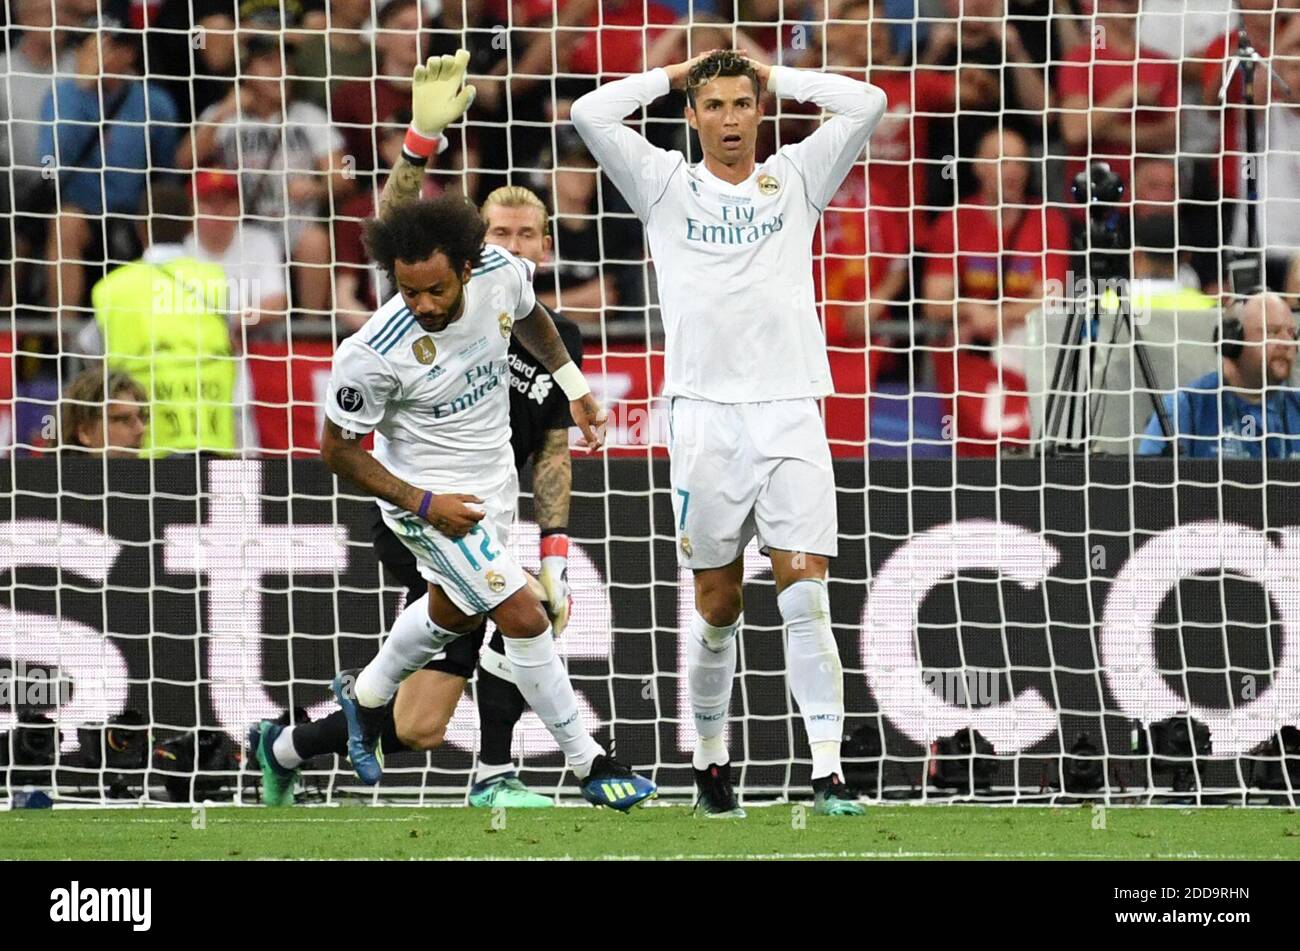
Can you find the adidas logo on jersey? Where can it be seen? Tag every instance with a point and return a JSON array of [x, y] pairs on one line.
[[434, 373]]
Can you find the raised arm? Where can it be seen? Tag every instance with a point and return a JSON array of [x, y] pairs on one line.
[[825, 157], [638, 169], [437, 100]]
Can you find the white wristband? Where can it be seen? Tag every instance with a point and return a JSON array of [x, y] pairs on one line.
[[571, 380]]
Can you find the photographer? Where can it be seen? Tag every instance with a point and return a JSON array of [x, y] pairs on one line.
[[1248, 409]]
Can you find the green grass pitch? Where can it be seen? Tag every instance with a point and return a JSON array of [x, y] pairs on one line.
[[656, 831]]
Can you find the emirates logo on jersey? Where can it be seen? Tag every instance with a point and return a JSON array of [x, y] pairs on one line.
[[425, 350], [767, 185], [506, 322]]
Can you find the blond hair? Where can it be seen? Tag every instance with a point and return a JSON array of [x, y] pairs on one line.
[[516, 196]]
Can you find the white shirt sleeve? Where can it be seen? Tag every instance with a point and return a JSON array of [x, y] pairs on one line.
[[638, 169], [527, 299], [824, 158], [361, 384]]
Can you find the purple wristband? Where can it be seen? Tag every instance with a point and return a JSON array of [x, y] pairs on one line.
[[423, 511]]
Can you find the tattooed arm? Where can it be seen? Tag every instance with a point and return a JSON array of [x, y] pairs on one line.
[[552, 481], [403, 185]]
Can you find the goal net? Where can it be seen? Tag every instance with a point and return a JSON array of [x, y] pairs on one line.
[[1040, 592]]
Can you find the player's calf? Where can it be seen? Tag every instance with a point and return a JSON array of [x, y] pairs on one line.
[[425, 705]]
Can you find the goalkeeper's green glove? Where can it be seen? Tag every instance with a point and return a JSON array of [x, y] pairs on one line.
[[437, 100]]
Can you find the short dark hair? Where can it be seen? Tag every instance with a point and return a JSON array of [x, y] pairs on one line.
[[415, 232], [721, 63], [390, 8], [169, 213]]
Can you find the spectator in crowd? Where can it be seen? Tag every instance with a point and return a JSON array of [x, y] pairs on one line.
[[190, 45], [898, 152], [26, 81], [774, 26], [1116, 99], [107, 131], [250, 255], [620, 33], [992, 258], [104, 412], [1277, 208], [585, 287], [1155, 186], [325, 56], [999, 84], [354, 104], [1155, 195], [290, 162], [357, 293], [163, 320], [861, 266], [1158, 283], [1264, 22], [1248, 408]]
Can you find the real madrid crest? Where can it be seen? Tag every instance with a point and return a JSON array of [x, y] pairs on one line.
[[506, 322], [496, 581], [425, 350], [767, 185], [686, 546]]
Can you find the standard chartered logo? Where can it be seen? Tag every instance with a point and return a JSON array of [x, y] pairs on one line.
[[541, 388]]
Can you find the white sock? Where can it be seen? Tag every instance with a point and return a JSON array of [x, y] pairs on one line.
[[813, 667], [710, 672], [283, 751], [486, 772], [412, 643], [542, 679]]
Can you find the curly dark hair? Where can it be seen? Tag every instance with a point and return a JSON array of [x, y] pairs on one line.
[[721, 63], [415, 232]]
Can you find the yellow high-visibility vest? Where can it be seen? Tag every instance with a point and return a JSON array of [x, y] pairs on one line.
[[165, 325]]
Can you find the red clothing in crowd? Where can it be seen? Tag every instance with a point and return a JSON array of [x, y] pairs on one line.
[[967, 242], [1234, 136], [1098, 74], [991, 405], [354, 111], [863, 245], [896, 181], [621, 51]]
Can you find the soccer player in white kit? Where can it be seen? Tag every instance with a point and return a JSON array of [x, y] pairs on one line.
[[429, 375], [744, 365]]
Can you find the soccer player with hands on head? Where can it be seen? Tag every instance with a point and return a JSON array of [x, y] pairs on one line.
[[744, 365]]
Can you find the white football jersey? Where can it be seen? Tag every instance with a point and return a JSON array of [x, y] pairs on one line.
[[438, 403], [734, 262]]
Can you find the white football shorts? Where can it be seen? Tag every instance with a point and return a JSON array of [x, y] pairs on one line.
[[476, 571], [745, 469]]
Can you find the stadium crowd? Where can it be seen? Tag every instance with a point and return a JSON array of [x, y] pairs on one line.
[[265, 130]]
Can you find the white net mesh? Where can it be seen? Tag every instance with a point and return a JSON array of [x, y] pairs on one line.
[[1060, 602]]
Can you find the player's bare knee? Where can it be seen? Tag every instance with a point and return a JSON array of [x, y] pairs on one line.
[[719, 603]]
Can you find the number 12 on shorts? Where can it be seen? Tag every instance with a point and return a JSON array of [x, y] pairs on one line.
[[686, 500], [485, 548]]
